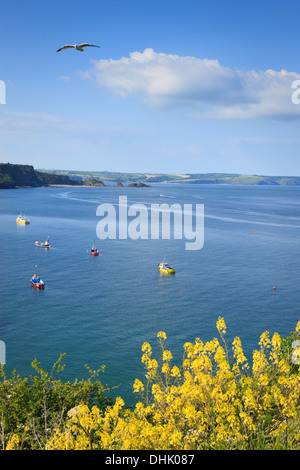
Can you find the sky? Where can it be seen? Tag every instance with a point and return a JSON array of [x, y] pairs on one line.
[[177, 86]]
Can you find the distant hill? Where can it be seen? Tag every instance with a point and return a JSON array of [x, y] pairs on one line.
[[192, 178], [223, 178]]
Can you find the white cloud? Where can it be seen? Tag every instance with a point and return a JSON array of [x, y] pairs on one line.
[[214, 91]]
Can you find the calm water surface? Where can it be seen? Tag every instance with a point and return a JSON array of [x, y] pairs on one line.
[[101, 310]]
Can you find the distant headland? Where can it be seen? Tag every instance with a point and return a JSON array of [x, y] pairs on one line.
[[191, 178], [16, 176]]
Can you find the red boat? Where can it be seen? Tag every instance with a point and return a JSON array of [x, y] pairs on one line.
[[36, 281], [94, 251]]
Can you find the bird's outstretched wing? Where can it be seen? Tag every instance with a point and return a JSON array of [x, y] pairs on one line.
[[85, 44], [65, 47]]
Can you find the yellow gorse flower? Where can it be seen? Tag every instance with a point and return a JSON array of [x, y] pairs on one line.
[[221, 326], [138, 386], [167, 356], [207, 402], [13, 442], [162, 335]]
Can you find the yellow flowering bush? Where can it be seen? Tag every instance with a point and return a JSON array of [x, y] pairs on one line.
[[213, 400]]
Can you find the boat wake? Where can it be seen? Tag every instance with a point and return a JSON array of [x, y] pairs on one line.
[[68, 195], [249, 222]]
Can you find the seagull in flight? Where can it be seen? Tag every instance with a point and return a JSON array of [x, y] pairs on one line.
[[78, 47]]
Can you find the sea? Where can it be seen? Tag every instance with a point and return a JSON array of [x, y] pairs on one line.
[[100, 310]]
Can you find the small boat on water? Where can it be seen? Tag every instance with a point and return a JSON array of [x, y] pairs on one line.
[[46, 244], [165, 268], [94, 251], [36, 281], [21, 219]]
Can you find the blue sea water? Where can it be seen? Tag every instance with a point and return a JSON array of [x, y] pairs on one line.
[[101, 310]]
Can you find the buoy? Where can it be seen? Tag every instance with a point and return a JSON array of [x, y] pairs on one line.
[[252, 230], [274, 288]]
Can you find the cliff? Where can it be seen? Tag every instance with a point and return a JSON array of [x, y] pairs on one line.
[[12, 176], [17, 176]]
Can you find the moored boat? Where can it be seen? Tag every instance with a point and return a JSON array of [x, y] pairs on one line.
[[36, 281], [21, 219], [94, 251], [46, 244], [165, 268]]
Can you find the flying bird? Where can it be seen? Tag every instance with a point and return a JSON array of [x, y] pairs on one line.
[[78, 47]]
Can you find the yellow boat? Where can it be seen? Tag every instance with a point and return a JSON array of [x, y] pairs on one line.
[[21, 219], [165, 268]]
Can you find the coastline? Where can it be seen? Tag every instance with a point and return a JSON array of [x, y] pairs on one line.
[[14, 176]]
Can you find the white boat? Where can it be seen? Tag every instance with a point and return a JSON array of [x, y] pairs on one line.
[[46, 244]]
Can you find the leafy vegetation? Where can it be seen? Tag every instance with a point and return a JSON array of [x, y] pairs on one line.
[[32, 407], [213, 400]]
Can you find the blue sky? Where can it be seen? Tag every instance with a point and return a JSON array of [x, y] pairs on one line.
[[176, 87]]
